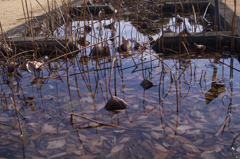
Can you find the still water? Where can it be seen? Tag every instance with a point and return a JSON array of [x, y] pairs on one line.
[[192, 110]]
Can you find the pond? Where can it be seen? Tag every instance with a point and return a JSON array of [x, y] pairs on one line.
[[192, 109]]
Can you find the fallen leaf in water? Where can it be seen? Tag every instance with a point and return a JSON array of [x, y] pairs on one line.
[[190, 148], [183, 127], [48, 129], [35, 64], [142, 117], [119, 131], [78, 152], [87, 157], [208, 155], [147, 135], [57, 155], [73, 88], [155, 135], [58, 138], [44, 152], [25, 66], [147, 144], [34, 157], [56, 144], [6, 142], [160, 148], [3, 119], [125, 139], [117, 148], [198, 142], [161, 155], [183, 140]]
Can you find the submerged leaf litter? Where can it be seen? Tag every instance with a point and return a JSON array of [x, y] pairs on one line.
[[191, 109]]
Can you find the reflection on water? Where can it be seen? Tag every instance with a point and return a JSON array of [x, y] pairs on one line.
[[192, 109]]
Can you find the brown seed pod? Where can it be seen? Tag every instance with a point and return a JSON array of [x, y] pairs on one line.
[[110, 26], [144, 25], [126, 45], [146, 84], [115, 103], [83, 41]]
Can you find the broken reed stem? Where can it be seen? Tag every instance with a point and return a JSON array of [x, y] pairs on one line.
[[16, 109], [100, 123], [222, 126], [186, 49], [111, 76]]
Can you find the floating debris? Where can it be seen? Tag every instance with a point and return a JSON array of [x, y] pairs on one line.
[[168, 30], [5, 49], [191, 19], [11, 66], [83, 41], [110, 26], [146, 84], [179, 19], [115, 103], [35, 64], [84, 59], [87, 28], [25, 66], [185, 31], [137, 45], [199, 48], [89, 3], [29, 99], [99, 50], [219, 82]]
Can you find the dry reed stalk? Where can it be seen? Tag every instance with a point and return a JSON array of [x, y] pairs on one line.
[[51, 21], [159, 60], [29, 21], [24, 16], [16, 109], [119, 31], [186, 50], [221, 129], [233, 26], [100, 123]]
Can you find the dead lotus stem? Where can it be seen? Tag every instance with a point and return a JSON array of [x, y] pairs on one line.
[[16, 109], [96, 121], [186, 49], [222, 126], [111, 76], [159, 59], [28, 18]]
